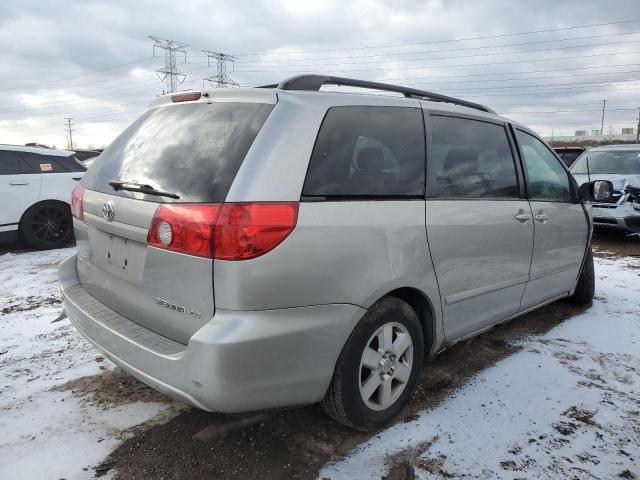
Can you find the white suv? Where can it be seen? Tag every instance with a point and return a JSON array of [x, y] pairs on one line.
[[35, 188]]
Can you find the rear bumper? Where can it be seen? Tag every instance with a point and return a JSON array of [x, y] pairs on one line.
[[619, 217], [237, 362]]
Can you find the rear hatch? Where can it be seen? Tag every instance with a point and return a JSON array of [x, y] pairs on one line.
[[181, 153]]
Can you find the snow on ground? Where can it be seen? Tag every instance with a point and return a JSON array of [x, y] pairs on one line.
[[45, 433], [566, 406]]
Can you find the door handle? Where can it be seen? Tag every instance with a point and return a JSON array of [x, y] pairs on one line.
[[541, 217], [523, 217], [18, 182]]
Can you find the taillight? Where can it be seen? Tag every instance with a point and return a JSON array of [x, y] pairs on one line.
[[248, 230], [184, 228], [77, 210], [231, 231]]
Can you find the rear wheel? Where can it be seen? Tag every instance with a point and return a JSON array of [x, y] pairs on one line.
[[47, 225], [586, 283], [377, 368]]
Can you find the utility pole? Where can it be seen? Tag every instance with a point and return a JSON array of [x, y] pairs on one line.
[[69, 128], [221, 79], [170, 73], [604, 103], [638, 131]]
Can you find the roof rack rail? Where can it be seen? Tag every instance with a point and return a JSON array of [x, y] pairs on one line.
[[315, 82]]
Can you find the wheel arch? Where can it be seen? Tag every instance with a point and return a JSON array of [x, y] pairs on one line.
[[39, 202], [423, 307]]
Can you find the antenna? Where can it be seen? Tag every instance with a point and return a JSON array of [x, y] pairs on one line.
[[221, 79], [170, 73]]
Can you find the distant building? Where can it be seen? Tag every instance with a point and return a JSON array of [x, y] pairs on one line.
[[596, 132], [627, 131], [581, 133]]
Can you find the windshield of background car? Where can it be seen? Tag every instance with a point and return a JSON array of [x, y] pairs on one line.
[[191, 150], [624, 162]]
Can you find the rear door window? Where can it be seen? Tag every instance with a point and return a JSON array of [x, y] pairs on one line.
[[470, 159], [368, 152], [9, 163], [191, 150]]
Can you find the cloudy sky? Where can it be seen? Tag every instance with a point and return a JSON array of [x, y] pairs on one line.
[[547, 63]]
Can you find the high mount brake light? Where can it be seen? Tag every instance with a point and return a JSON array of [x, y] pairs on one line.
[[185, 97], [77, 195], [229, 231]]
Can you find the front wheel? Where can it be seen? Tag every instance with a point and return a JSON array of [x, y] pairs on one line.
[[378, 367], [47, 225]]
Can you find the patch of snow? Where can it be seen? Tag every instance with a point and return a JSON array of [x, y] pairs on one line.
[[566, 406], [50, 434]]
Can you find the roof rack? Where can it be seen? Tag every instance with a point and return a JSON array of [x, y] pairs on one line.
[[315, 82]]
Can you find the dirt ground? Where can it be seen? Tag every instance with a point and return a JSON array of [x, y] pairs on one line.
[[297, 443]]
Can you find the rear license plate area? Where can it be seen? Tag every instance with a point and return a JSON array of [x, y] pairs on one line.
[[118, 255]]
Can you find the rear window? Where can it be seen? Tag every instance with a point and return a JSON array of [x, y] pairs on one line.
[[71, 164], [368, 152], [191, 150]]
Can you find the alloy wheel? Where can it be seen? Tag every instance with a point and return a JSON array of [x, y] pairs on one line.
[[385, 366]]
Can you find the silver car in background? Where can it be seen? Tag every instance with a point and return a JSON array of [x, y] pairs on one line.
[[620, 164], [247, 249]]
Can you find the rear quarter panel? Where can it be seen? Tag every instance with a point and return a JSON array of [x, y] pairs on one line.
[[58, 186], [340, 252]]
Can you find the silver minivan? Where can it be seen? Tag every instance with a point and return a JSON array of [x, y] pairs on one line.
[[248, 249]]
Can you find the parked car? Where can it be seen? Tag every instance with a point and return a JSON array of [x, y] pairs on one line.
[[569, 154], [35, 189], [619, 164], [249, 249]]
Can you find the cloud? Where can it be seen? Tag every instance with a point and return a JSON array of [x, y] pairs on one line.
[[548, 80]]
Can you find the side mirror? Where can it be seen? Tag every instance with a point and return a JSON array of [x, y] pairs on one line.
[[596, 191]]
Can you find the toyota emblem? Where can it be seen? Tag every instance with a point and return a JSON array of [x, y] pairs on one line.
[[108, 212]]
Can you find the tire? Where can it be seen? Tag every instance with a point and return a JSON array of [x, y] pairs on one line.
[[348, 399], [47, 225], [586, 283]]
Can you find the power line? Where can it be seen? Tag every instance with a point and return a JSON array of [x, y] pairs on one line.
[[76, 76], [494, 74], [170, 74], [539, 85], [433, 42], [448, 57], [465, 65], [413, 52]]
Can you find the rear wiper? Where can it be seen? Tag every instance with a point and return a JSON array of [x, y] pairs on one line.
[[142, 188]]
